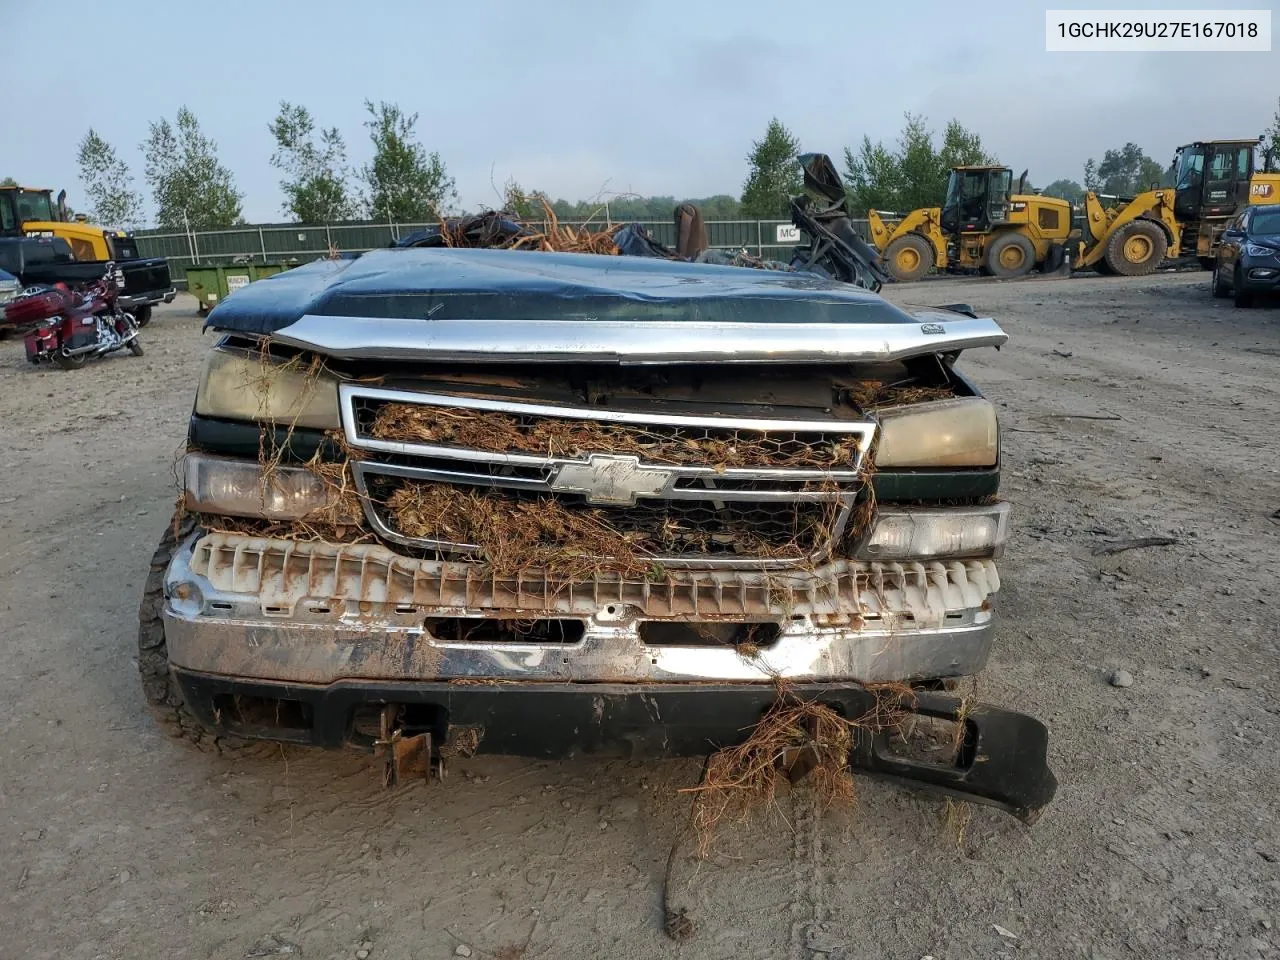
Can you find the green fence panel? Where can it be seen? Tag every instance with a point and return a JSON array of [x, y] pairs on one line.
[[771, 239]]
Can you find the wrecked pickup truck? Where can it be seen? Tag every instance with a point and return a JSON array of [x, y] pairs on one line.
[[446, 501]]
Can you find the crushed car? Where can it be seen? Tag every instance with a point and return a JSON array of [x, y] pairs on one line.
[[518, 501]]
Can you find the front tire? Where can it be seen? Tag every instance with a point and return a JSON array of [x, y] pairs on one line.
[[1242, 297], [1136, 249], [908, 258], [1220, 290], [135, 347], [163, 696], [1010, 255]]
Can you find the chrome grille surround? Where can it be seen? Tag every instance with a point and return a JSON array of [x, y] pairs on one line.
[[641, 482]]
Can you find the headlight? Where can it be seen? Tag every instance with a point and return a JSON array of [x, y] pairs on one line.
[[942, 433], [245, 386], [915, 533], [239, 488], [1254, 250]]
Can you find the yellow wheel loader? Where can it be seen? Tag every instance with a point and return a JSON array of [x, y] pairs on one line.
[[1214, 180], [33, 212], [982, 225]]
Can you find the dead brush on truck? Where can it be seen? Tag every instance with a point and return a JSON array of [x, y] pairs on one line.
[[588, 503]]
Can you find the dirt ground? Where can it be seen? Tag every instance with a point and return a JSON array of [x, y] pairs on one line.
[[1164, 840]]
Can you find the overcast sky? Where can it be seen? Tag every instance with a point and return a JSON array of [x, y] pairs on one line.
[[578, 97]]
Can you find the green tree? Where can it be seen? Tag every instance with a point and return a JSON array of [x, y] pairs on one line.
[[1271, 143], [912, 174], [8, 182], [1126, 172], [719, 207], [190, 185], [774, 176], [922, 177], [1067, 190], [872, 178], [525, 204], [315, 184], [107, 183], [962, 148], [1091, 181], [406, 184]]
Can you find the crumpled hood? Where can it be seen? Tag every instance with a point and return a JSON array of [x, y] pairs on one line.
[[468, 304]]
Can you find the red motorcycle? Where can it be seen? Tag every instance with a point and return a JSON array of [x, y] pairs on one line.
[[68, 327]]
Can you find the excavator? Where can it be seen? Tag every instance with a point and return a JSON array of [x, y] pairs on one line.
[[983, 225]]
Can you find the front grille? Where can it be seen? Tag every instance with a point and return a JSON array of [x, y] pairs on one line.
[[660, 528], [672, 488]]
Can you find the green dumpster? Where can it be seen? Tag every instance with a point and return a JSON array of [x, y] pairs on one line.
[[210, 283]]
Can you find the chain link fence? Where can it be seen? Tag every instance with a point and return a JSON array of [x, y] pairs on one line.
[[770, 239]]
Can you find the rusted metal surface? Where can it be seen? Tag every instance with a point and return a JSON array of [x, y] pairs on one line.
[[406, 758], [295, 579], [315, 613]]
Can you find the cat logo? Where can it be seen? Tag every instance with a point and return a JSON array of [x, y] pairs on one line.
[[1261, 190]]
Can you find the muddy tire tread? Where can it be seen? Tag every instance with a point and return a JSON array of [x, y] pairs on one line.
[[162, 695]]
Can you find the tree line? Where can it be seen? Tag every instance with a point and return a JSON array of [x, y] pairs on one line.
[[405, 183]]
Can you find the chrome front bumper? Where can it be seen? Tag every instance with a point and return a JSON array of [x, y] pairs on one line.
[[318, 613]]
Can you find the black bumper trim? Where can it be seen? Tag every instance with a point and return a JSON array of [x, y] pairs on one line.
[[1003, 761]]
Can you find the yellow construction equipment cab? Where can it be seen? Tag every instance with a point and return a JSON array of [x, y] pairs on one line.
[[1214, 179], [981, 225], [33, 212]]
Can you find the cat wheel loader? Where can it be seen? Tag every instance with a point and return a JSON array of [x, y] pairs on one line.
[[982, 225], [1214, 180]]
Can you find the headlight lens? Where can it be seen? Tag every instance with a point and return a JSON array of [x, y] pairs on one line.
[[239, 488], [943, 433], [901, 534], [1254, 250], [244, 386]]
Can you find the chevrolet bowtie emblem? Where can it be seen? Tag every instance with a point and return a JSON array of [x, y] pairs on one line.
[[611, 479]]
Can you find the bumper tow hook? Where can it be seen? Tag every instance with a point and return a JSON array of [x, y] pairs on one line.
[[406, 757]]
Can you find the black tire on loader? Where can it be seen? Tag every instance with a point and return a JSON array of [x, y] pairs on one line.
[[158, 686], [908, 258], [1136, 249], [1010, 255]]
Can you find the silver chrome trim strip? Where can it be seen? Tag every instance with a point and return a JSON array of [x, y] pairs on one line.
[[348, 393], [415, 338]]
